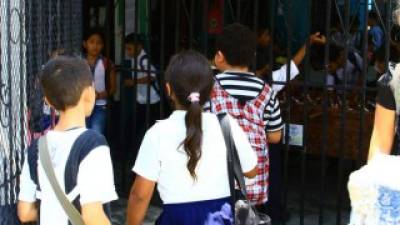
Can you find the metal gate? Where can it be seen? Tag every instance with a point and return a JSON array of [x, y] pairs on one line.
[[311, 172], [29, 32], [12, 105]]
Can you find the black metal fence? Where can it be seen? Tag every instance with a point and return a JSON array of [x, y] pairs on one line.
[[29, 32], [328, 125], [12, 105], [308, 172]]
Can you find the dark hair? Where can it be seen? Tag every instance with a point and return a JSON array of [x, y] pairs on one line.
[[238, 44], [373, 15], [94, 31], [335, 52], [63, 80], [134, 39], [189, 72]]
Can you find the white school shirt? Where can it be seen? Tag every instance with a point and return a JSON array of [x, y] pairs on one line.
[[280, 75], [162, 159], [350, 70], [142, 64], [95, 180], [100, 80]]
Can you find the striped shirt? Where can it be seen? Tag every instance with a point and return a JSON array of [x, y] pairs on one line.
[[245, 86]]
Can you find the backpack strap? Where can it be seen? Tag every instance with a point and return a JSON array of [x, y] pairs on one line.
[[83, 145], [108, 66], [33, 157], [353, 59], [144, 68]]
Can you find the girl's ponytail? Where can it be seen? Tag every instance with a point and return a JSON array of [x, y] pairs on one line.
[[190, 78], [194, 133]]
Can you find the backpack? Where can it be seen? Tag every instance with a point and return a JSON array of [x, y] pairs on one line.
[[82, 146], [144, 68]]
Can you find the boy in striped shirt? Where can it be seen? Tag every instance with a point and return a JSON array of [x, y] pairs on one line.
[[247, 98]]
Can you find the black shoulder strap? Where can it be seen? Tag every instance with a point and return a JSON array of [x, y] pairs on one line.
[[353, 59], [144, 68], [33, 157], [234, 168], [82, 146]]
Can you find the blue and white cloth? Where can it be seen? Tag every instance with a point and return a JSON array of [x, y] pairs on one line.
[[375, 192]]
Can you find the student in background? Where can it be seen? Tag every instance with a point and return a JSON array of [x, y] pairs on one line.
[[67, 84], [186, 156], [145, 83], [238, 92], [375, 31], [104, 77], [280, 75]]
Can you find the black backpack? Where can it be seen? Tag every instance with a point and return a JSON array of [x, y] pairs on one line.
[[82, 146]]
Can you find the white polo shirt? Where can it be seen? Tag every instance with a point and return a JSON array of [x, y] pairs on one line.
[[100, 80], [280, 75], [95, 181], [162, 159], [143, 64]]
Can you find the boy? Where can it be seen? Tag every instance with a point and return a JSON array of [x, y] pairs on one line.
[[146, 79], [252, 102], [78, 155], [375, 31]]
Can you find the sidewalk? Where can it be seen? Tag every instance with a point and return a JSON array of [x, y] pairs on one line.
[[310, 217]]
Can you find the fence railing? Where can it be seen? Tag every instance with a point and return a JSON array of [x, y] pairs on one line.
[[334, 119], [29, 32]]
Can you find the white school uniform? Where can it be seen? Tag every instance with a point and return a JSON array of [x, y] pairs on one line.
[[142, 63], [95, 180], [162, 159], [100, 80]]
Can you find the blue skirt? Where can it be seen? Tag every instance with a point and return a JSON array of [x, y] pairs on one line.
[[209, 212]]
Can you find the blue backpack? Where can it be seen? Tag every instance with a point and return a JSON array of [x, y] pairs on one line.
[[82, 146]]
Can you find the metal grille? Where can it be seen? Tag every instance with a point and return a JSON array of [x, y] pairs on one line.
[[314, 175], [12, 104], [30, 32], [52, 27]]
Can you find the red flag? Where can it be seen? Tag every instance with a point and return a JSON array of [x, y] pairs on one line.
[[216, 17]]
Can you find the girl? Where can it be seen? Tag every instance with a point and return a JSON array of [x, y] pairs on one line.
[[186, 154], [104, 79]]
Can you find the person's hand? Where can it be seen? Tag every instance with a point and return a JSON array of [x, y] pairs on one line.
[[317, 38], [129, 82]]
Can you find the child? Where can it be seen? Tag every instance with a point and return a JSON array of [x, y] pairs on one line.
[[139, 62], [280, 75], [186, 154], [247, 98], [375, 31], [104, 79], [67, 85]]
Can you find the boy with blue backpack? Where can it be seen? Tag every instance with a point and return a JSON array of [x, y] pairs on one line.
[[68, 170]]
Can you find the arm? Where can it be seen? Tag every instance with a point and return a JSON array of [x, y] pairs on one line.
[[144, 80], [139, 199], [93, 214], [383, 133], [113, 82], [27, 209], [27, 212], [316, 38], [274, 137], [273, 119], [247, 155], [299, 56]]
